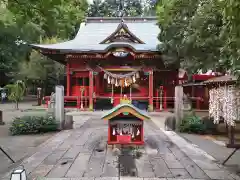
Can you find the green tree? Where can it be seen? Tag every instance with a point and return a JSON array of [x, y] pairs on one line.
[[23, 22], [10, 51], [41, 71], [174, 20], [201, 34], [111, 8], [16, 92], [49, 17], [231, 34]]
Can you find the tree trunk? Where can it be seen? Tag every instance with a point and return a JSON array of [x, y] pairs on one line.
[[17, 105], [178, 105]]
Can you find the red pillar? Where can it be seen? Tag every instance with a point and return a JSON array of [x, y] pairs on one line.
[[68, 80], [90, 90], [158, 99], [150, 100], [165, 99]]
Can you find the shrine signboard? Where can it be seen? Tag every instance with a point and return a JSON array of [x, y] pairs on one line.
[[123, 139]]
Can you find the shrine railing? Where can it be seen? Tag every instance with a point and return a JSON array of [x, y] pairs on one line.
[[160, 104]]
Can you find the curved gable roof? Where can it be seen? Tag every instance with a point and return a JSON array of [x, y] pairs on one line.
[[95, 30], [125, 108]]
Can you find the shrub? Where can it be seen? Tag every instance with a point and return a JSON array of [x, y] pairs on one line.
[[211, 128], [192, 124], [33, 125]]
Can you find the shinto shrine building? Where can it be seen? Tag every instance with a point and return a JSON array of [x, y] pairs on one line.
[[114, 58]]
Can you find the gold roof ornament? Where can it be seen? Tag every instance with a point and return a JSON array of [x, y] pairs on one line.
[[125, 100]]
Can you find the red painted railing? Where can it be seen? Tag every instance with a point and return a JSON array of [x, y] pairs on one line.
[[83, 103]]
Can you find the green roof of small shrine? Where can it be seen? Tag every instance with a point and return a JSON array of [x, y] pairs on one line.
[[95, 31], [119, 106]]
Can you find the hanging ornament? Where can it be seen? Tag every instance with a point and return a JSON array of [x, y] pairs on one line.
[[138, 132], [109, 80], [137, 75], [114, 132], [105, 76], [121, 82], [133, 135], [121, 132], [134, 79], [125, 82], [116, 83], [112, 81], [130, 81]]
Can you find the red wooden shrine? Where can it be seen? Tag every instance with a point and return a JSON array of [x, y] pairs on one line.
[[113, 57], [125, 125]]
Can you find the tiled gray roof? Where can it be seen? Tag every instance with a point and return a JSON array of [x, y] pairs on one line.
[[96, 30]]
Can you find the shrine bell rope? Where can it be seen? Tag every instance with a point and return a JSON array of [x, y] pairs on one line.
[[120, 76], [122, 80]]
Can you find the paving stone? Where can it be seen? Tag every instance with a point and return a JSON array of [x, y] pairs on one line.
[[84, 138], [40, 171], [71, 153], [83, 178], [172, 161], [107, 178], [60, 169], [79, 166], [151, 151], [160, 168], [234, 176], [193, 169], [218, 174], [207, 164], [53, 158], [83, 149], [184, 179], [36, 159], [188, 164], [110, 167], [66, 144], [154, 178], [64, 163], [177, 152], [45, 178], [180, 173], [95, 165], [144, 167], [130, 178]]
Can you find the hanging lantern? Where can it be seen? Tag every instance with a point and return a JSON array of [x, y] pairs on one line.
[[105, 76], [109, 80], [19, 174], [114, 132]]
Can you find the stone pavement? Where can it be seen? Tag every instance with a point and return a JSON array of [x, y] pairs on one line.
[[82, 154], [210, 145]]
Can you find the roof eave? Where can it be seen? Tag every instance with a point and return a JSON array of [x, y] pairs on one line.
[[39, 47]]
